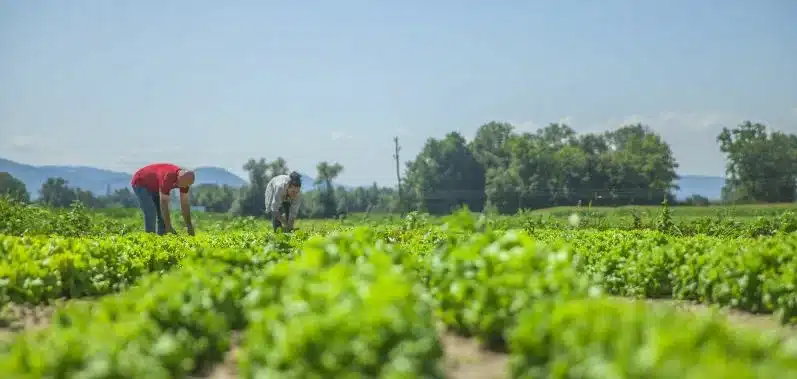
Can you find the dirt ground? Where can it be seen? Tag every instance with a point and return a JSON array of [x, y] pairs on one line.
[[465, 359], [15, 318]]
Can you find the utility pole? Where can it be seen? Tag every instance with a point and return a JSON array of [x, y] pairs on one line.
[[398, 173]]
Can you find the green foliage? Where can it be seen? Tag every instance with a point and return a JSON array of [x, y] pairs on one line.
[[600, 338], [166, 327], [553, 166], [13, 189], [339, 299], [327, 315], [481, 284], [444, 176], [39, 269], [326, 174], [214, 198], [761, 166], [30, 219]]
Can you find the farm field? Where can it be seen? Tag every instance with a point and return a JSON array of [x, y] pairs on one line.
[[692, 292]]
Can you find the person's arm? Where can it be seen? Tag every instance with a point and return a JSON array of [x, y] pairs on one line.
[[167, 218], [185, 207], [276, 202], [166, 183], [294, 212]]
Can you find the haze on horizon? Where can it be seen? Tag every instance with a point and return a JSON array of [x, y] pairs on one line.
[[118, 85]]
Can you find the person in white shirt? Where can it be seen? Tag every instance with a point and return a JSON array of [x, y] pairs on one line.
[[282, 200]]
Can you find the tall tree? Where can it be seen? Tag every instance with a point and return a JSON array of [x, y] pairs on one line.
[[56, 193], [489, 147], [277, 167], [556, 166], [213, 197], [761, 166], [326, 174], [446, 175], [123, 197], [643, 165], [13, 188], [87, 198], [250, 200]]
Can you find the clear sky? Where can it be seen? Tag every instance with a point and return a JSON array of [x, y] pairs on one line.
[[119, 84]]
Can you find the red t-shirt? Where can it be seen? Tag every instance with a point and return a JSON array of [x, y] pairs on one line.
[[158, 177]]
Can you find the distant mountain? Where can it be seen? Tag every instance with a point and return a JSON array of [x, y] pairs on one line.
[[709, 187], [217, 175], [99, 181]]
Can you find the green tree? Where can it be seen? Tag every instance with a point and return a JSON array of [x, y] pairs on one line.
[[56, 193], [87, 198], [277, 167], [556, 166], [122, 197], [13, 188], [326, 174], [761, 166], [445, 175], [489, 147], [250, 200], [642, 166], [213, 197]]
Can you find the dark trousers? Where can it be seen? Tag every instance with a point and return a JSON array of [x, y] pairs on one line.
[[150, 205], [284, 210]]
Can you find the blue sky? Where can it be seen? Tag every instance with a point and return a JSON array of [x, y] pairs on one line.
[[120, 84]]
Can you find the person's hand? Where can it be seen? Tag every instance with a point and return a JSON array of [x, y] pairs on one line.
[[190, 230]]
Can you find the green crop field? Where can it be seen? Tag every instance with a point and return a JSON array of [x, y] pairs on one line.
[[582, 292]]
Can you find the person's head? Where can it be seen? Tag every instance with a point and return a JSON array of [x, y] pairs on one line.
[[294, 184], [185, 178]]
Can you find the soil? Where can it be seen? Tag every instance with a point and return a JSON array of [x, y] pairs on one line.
[[227, 369], [465, 359], [15, 318]]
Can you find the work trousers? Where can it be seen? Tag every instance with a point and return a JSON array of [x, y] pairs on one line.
[[150, 205]]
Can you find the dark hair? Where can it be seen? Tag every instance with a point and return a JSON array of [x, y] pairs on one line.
[[295, 179]]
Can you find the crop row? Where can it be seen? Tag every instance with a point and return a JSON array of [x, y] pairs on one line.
[[512, 291], [349, 305], [757, 275], [310, 317], [753, 274], [38, 269], [21, 219]]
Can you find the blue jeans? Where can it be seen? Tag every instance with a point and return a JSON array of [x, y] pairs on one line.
[[151, 206]]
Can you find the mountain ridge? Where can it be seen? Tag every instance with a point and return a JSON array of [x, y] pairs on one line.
[[100, 181]]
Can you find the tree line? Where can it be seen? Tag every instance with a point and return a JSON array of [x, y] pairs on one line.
[[504, 171]]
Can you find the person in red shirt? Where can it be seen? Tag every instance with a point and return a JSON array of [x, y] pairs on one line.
[[152, 185]]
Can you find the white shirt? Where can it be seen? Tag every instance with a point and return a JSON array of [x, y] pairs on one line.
[[277, 192]]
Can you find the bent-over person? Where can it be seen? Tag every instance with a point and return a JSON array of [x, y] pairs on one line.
[[282, 200], [152, 185]]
